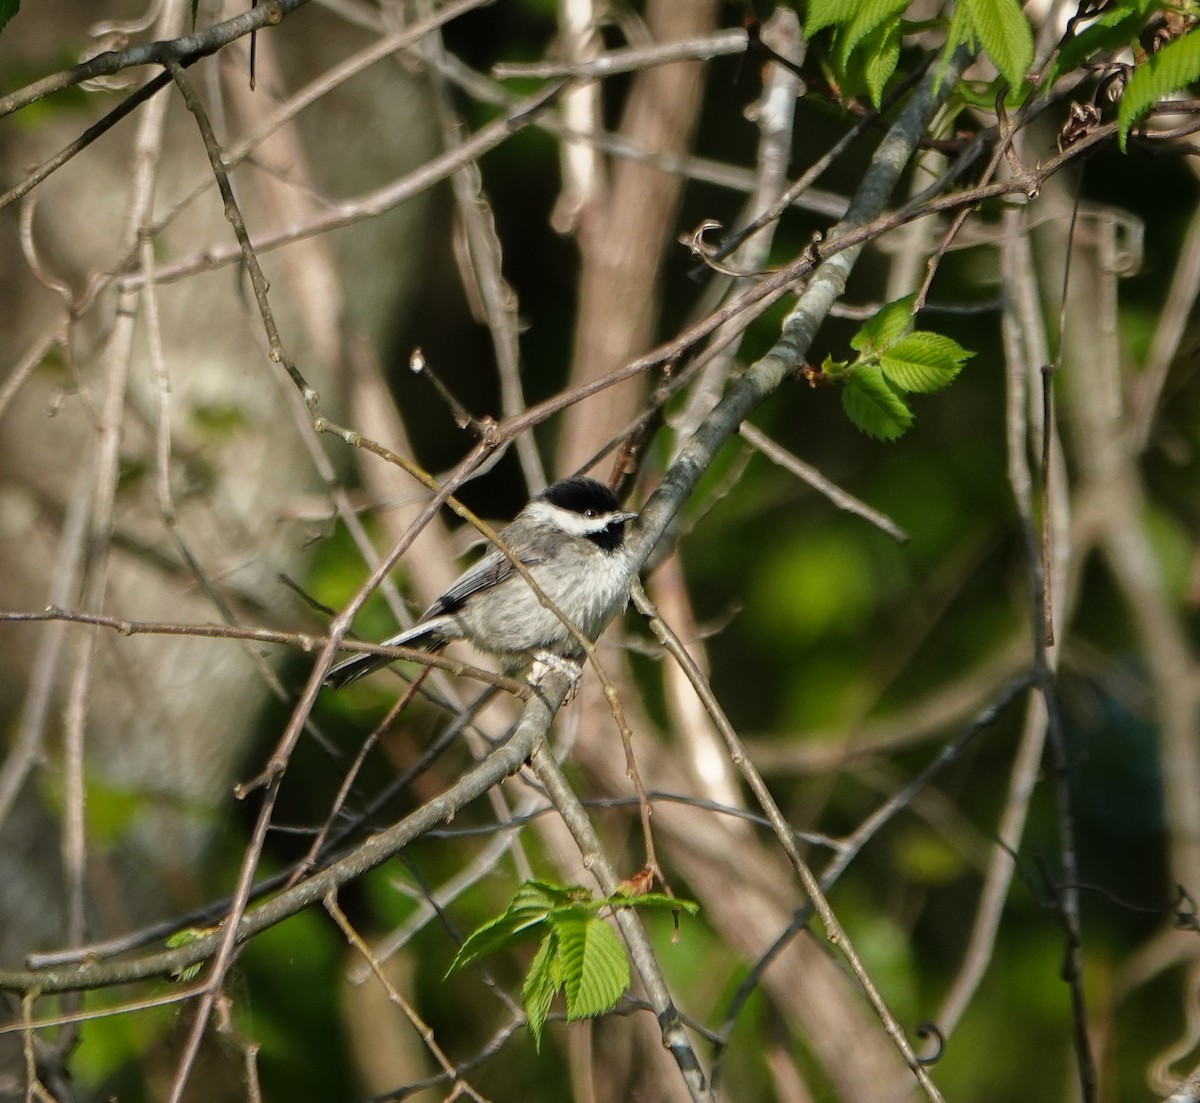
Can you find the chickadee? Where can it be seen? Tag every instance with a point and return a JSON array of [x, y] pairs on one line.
[[571, 539]]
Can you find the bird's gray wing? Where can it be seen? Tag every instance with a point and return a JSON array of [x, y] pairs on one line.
[[495, 567]]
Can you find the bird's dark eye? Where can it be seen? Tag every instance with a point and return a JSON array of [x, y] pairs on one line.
[[590, 513]]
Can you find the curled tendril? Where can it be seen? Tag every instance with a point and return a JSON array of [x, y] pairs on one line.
[[708, 254], [927, 1028]]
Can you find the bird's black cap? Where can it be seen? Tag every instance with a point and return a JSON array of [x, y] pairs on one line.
[[581, 495]]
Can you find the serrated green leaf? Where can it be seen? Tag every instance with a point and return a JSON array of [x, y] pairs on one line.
[[1004, 32], [505, 930], [186, 937], [8, 8], [873, 406], [869, 16], [959, 32], [544, 895], [923, 362], [1173, 68], [828, 13], [527, 911], [961, 29], [882, 50], [655, 900], [886, 325], [541, 982], [595, 969]]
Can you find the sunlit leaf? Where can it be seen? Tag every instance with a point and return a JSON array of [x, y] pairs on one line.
[[886, 325], [828, 13], [1004, 32], [541, 982], [834, 368], [923, 362], [595, 969], [1174, 67], [527, 911], [505, 930], [656, 900], [873, 406], [882, 49], [870, 16]]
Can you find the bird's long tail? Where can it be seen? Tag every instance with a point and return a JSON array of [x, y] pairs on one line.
[[423, 636]]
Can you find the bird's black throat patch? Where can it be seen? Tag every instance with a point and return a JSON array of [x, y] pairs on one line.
[[610, 537]]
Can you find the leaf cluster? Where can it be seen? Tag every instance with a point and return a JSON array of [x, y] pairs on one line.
[[579, 954], [1171, 69], [864, 38], [893, 360], [865, 41], [866, 35], [998, 28]]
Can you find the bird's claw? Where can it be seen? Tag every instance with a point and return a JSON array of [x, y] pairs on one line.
[[546, 661]]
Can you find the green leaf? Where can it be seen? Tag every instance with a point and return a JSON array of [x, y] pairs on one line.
[[541, 982], [873, 406], [960, 31], [186, 937], [882, 49], [8, 8], [835, 369], [828, 13], [869, 16], [595, 969], [886, 325], [1174, 67], [544, 896], [505, 930], [579, 952], [655, 900], [923, 362], [1004, 32], [529, 908]]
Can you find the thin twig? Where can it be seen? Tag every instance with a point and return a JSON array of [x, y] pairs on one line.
[[633, 59], [299, 640], [28, 748], [185, 49], [380, 201], [310, 858], [483, 273], [1024, 346], [1043, 643], [834, 931], [424, 1031], [1168, 334], [233, 216], [775, 113], [372, 852], [839, 497], [99, 128], [641, 951]]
